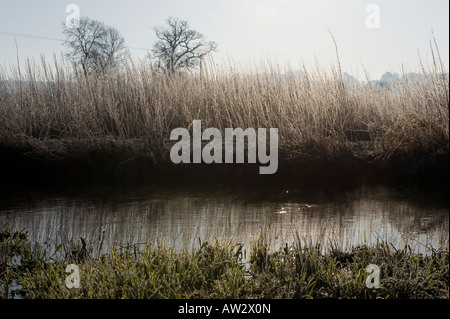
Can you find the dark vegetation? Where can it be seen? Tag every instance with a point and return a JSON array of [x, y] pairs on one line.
[[220, 269]]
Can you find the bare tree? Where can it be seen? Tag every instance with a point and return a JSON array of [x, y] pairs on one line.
[[179, 47], [93, 45]]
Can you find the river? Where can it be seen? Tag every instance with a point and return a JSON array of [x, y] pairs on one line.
[[179, 217]]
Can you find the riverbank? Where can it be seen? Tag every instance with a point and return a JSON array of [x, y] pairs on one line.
[[222, 269], [58, 128], [71, 163]]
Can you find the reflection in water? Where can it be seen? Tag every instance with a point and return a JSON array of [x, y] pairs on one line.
[[180, 218]]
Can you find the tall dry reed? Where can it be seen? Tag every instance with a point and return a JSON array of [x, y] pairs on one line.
[[48, 109]]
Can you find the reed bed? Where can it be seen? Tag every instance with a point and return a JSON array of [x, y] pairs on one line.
[[49, 113], [220, 269]]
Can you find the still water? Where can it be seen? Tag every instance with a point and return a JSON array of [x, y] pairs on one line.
[[179, 217]]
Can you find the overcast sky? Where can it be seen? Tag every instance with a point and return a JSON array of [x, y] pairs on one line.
[[247, 30]]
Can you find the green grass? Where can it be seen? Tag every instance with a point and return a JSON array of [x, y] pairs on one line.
[[220, 269]]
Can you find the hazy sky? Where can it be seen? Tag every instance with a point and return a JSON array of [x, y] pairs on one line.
[[247, 30]]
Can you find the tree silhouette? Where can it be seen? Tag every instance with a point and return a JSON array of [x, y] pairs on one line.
[[179, 47], [93, 45]]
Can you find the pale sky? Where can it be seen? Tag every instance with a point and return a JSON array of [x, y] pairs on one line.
[[250, 30]]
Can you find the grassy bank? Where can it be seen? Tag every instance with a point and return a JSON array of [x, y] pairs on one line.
[[216, 269], [56, 125]]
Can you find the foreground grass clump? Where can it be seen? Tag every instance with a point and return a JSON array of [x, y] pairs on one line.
[[218, 269], [304, 271]]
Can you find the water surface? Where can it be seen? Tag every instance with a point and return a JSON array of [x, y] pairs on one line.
[[179, 217]]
